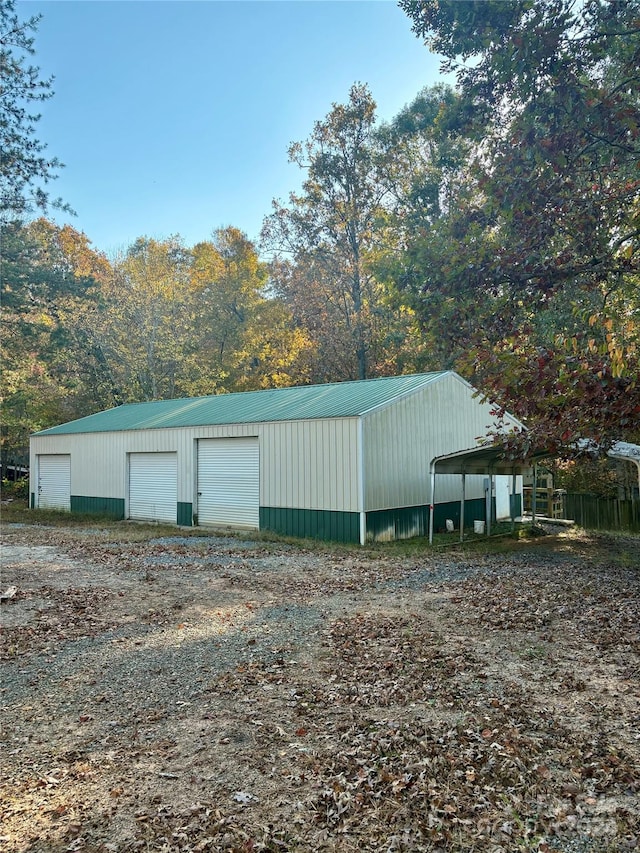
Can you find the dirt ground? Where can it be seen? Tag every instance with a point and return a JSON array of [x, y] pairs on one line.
[[212, 693]]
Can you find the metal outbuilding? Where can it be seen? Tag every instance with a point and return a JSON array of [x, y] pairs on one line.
[[347, 461]]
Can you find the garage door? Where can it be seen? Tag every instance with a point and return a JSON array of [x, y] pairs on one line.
[[229, 482], [153, 487], [54, 482]]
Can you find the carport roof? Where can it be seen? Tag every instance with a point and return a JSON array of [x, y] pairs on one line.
[[484, 459], [305, 402]]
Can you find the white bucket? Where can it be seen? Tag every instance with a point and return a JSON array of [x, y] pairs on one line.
[[449, 525], [478, 527]]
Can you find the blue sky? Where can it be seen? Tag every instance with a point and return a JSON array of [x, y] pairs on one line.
[[174, 117]]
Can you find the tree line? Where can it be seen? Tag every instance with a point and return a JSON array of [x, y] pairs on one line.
[[491, 228]]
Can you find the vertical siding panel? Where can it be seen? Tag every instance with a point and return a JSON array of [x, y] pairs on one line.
[[401, 439], [275, 480], [287, 461], [338, 475], [305, 458], [304, 464], [329, 467], [271, 467], [341, 468], [335, 474], [294, 449], [267, 452], [357, 459], [275, 471], [273, 485], [320, 466]]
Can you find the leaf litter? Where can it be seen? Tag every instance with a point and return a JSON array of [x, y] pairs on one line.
[[217, 694]]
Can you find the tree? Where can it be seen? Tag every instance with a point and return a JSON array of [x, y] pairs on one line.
[[25, 169], [173, 321], [51, 372], [328, 233], [142, 320], [428, 177], [537, 283], [246, 338]]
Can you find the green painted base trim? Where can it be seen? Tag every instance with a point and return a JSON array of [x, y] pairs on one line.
[[385, 525], [32, 501], [113, 507], [381, 526], [311, 523], [185, 514], [474, 510], [405, 522]]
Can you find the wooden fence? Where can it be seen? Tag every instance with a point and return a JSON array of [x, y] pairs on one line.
[[596, 513]]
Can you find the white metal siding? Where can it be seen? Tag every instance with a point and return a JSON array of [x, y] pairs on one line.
[[303, 464], [153, 486], [310, 464], [54, 482], [229, 482], [400, 441]]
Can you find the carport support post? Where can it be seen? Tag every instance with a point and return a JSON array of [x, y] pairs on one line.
[[535, 494], [488, 492], [361, 489], [490, 505], [512, 500], [432, 499], [464, 477]]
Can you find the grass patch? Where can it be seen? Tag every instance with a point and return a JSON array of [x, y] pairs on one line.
[[18, 512], [618, 547]]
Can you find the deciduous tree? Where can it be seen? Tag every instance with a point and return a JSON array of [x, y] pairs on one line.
[[51, 371], [246, 338], [535, 270], [328, 232]]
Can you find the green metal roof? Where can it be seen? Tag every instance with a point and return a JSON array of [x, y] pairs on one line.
[[303, 402]]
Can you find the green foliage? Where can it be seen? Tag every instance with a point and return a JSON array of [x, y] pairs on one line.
[[48, 373], [596, 476], [163, 320], [531, 277], [25, 169], [493, 229], [15, 489], [325, 240], [247, 338]]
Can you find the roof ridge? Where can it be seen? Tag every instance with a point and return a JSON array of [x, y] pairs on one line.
[[338, 383], [351, 398]]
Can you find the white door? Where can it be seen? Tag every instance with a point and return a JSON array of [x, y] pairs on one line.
[[153, 487], [503, 500], [229, 482], [54, 481]]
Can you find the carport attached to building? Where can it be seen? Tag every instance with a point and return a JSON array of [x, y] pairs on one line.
[[346, 461], [488, 460]]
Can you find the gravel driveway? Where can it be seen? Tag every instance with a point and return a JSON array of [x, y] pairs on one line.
[[194, 693]]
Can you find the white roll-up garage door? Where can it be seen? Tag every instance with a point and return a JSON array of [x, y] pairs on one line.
[[54, 481], [153, 487], [229, 482]]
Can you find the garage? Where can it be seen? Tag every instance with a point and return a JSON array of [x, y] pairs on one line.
[[153, 486], [229, 482], [346, 461], [54, 482]]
